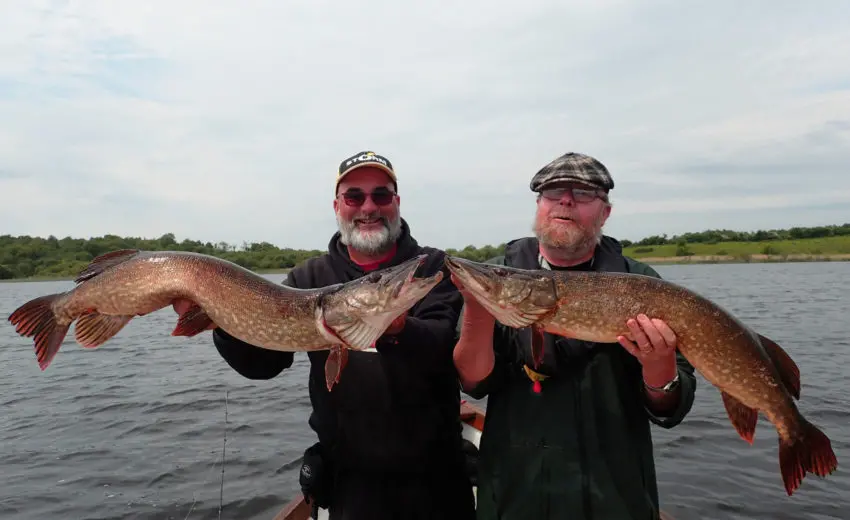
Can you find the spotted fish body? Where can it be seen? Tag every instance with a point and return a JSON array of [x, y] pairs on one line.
[[751, 371], [120, 285]]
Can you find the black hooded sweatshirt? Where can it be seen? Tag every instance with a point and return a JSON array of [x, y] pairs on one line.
[[395, 411]]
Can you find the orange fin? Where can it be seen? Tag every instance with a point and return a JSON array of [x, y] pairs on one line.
[[536, 345], [743, 418], [94, 329], [336, 361], [192, 322], [36, 318], [104, 262], [788, 370], [809, 452]]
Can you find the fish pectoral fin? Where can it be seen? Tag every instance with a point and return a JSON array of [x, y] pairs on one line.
[[192, 322], [788, 370], [94, 329], [364, 332], [537, 345], [514, 317], [337, 359], [743, 418]]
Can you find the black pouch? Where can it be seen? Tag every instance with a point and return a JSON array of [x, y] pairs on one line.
[[316, 476], [470, 460]]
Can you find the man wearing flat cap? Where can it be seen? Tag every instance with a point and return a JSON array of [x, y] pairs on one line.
[[570, 439]]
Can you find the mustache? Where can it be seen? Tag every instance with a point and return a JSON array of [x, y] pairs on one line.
[[370, 216]]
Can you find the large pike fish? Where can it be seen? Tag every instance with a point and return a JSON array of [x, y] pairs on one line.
[[752, 372], [120, 285]]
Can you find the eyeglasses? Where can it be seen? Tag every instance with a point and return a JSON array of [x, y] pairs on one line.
[[357, 197], [578, 194]]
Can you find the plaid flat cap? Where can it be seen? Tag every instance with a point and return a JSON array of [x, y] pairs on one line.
[[573, 167]]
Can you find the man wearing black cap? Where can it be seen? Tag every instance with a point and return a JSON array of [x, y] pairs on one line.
[[571, 439], [389, 434]]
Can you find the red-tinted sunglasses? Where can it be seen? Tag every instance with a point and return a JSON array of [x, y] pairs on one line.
[[357, 197]]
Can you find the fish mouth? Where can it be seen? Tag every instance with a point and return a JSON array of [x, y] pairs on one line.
[[404, 272], [359, 312], [405, 288], [401, 279], [484, 282], [471, 274]]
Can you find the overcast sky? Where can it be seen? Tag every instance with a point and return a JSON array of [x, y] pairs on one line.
[[226, 121]]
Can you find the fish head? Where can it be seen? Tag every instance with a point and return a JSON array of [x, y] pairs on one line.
[[515, 297], [358, 312]]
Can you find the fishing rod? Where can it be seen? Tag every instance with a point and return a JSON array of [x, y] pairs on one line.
[[223, 448]]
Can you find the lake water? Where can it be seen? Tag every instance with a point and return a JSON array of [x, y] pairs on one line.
[[135, 429]]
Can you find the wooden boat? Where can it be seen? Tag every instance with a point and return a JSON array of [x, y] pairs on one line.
[[472, 418]]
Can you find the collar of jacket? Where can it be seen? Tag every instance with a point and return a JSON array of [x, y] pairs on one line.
[[525, 253]]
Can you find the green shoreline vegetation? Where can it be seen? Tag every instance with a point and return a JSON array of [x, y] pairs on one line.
[[28, 258]]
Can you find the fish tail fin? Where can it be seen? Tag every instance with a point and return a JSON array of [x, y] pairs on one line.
[[94, 329], [337, 359], [36, 318], [808, 451], [742, 417], [103, 262], [788, 370], [192, 322]]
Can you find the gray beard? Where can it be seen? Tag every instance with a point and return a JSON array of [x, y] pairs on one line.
[[371, 242], [574, 246]]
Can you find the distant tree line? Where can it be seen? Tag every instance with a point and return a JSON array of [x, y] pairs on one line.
[[26, 257], [714, 236]]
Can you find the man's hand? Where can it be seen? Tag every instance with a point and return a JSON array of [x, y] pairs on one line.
[[653, 343], [473, 354], [474, 314], [181, 306]]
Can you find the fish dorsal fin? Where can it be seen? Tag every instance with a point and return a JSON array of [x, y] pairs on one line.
[[103, 262], [787, 368]]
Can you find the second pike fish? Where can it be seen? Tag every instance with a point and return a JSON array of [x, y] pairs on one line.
[[753, 373], [118, 286]]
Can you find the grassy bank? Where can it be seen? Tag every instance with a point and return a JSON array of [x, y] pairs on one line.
[[729, 259], [836, 248]]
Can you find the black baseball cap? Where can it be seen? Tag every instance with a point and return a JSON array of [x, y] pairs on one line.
[[365, 158]]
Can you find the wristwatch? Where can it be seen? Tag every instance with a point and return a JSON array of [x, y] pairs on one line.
[[669, 387]]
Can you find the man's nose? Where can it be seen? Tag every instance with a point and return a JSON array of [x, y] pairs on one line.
[[369, 205], [567, 198]]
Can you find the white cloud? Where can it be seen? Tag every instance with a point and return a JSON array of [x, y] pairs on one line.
[[223, 122]]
